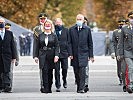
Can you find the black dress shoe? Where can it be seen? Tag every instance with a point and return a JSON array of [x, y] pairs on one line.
[[43, 90], [124, 89], [7, 90], [65, 84], [81, 91], [58, 90], [49, 91], [86, 89], [129, 90]]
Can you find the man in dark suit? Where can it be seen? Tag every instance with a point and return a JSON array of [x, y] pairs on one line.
[[81, 50], [62, 34], [125, 49], [7, 56]]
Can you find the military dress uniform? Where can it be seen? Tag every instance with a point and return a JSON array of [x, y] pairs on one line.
[[121, 66], [113, 48], [125, 50]]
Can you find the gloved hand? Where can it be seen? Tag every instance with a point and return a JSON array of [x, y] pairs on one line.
[[16, 63], [113, 55]]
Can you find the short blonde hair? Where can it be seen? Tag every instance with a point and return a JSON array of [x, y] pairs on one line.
[[52, 25]]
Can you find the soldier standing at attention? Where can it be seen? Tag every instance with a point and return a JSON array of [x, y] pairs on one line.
[[125, 49]]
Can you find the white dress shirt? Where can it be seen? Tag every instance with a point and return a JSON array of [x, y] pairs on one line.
[[2, 33], [46, 38]]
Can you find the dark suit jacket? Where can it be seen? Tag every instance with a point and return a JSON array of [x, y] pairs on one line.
[[7, 50], [46, 56], [81, 46], [63, 43]]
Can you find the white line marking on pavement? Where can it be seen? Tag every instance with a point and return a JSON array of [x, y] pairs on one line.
[[66, 94], [36, 71]]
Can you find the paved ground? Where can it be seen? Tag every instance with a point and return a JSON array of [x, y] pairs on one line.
[[103, 83]]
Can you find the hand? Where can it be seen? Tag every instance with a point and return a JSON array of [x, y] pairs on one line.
[[36, 60], [113, 55], [119, 58], [92, 59], [13, 60], [16, 63], [71, 57], [56, 59]]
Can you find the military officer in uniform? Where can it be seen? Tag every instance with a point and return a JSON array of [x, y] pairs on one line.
[[114, 42], [39, 29], [121, 66], [125, 49]]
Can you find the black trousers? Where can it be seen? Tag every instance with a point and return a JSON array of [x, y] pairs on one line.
[[5, 77], [80, 74], [63, 62], [46, 77]]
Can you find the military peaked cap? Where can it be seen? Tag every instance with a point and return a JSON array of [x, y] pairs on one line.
[[42, 15], [130, 14]]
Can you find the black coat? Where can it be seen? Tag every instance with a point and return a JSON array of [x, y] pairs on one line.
[[46, 57], [63, 43], [81, 46], [7, 51]]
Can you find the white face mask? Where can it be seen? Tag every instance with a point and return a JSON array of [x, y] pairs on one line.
[[47, 28], [131, 21], [79, 23]]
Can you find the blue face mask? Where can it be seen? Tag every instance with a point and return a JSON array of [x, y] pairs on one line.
[[58, 27], [79, 23], [2, 25]]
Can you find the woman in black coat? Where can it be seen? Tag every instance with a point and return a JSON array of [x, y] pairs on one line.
[[46, 51]]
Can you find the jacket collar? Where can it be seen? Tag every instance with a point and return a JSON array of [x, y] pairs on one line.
[[76, 27]]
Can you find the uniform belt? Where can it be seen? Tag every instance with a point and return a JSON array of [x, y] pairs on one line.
[[47, 48]]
